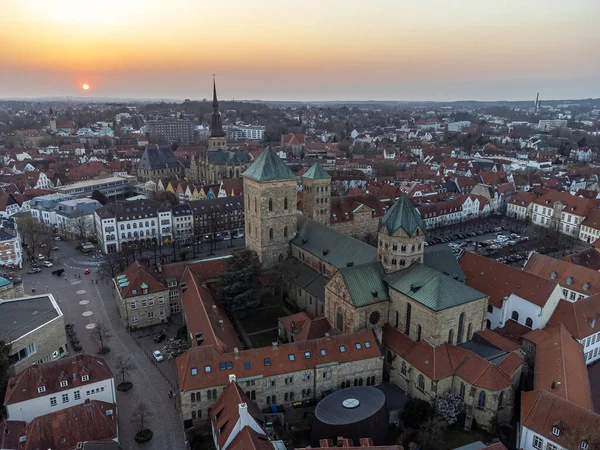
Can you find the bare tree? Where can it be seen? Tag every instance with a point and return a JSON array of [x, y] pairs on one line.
[[83, 228], [123, 366], [113, 264], [101, 334], [141, 416], [32, 233]]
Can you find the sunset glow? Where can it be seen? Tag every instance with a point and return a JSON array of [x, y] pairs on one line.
[[85, 87], [302, 50]]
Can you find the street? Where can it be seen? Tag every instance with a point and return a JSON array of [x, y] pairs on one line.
[[85, 304]]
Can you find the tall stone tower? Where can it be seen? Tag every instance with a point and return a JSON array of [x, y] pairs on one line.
[[316, 197], [52, 120], [217, 139], [270, 207], [401, 236]]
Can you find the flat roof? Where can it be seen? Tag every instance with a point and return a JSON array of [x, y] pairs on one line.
[[89, 183], [350, 405], [19, 316]]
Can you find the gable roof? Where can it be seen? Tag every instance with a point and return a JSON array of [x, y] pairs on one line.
[[135, 278], [316, 172], [24, 386], [306, 328], [269, 167], [581, 318], [365, 283], [431, 288], [330, 246], [500, 280], [64, 429], [248, 439], [577, 278], [158, 157], [403, 215]]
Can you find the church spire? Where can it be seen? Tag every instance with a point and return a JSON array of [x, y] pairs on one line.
[[216, 129]]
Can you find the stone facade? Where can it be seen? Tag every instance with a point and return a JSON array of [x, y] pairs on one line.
[[287, 388], [399, 250], [312, 261], [362, 225], [143, 310], [435, 327], [316, 199], [344, 317], [270, 218]]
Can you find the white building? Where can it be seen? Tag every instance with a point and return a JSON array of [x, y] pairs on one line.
[[560, 211], [112, 187], [76, 217], [143, 222], [242, 132], [47, 387], [43, 209]]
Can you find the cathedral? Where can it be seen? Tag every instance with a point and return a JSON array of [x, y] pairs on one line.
[[217, 163], [413, 301]]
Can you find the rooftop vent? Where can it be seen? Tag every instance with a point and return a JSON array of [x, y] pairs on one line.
[[350, 264], [325, 251], [375, 293], [553, 276]]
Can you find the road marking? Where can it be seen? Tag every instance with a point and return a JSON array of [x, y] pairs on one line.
[[87, 313], [84, 302], [90, 326], [81, 291], [75, 282]]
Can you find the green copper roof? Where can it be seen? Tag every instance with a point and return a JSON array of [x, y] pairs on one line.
[[316, 172], [402, 215], [4, 281], [365, 283], [431, 288], [269, 167]]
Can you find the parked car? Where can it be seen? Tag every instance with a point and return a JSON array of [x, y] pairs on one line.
[[157, 355], [58, 238], [86, 271], [55, 248], [160, 337], [34, 270], [47, 264]]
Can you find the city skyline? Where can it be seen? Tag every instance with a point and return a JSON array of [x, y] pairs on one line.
[[300, 52]]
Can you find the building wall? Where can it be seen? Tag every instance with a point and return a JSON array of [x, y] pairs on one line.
[[47, 339], [539, 315], [316, 200], [28, 410], [11, 252], [143, 310], [268, 231], [591, 348], [312, 261], [261, 389], [304, 300], [436, 326], [399, 250]]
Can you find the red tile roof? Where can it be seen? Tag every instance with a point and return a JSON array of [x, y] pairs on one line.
[[498, 340], [572, 205], [500, 280], [342, 208], [577, 278], [248, 439], [348, 444], [199, 357], [542, 409], [24, 386], [9, 433], [522, 199], [581, 318], [137, 275], [64, 429]]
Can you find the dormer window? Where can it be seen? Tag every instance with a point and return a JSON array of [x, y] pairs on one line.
[[584, 445], [553, 276], [556, 431], [586, 286], [85, 378], [41, 389], [144, 288], [569, 281], [64, 383]]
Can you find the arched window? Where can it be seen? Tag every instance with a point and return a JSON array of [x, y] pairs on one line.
[[403, 368], [356, 382], [397, 318], [529, 322], [461, 327], [407, 327], [193, 397], [368, 381], [469, 331], [451, 336], [286, 394], [274, 399], [488, 324], [421, 383], [285, 203], [270, 234], [418, 333], [285, 231], [253, 395], [515, 316], [462, 390], [193, 415], [268, 399], [255, 205], [481, 402], [490, 309], [501, 399], [360, 382], [147, 223], [373, 380], [270, 205], [339, 321]]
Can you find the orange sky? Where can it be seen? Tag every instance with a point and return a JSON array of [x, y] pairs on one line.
[[301, 50]]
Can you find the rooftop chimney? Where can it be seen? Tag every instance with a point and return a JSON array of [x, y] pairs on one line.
[[214, 308], [274, 345], [293, 325], [221, 323], [236, 353]]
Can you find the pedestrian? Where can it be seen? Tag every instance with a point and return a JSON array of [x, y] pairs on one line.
[[170, 394], [65, 279]]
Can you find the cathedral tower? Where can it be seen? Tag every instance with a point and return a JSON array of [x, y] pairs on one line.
[[217, 139], [401, 236], [269, 207], [52, 120], [316, 197]]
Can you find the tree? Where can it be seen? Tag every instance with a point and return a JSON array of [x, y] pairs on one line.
[[431, 434], [32, 233], [175, 347], [4, 372], [83, 228], [449, 406], [141, 418], [113, 264], [416, 412], [101, 334], [238, 286], [123, 366], [166, 198], [97, 195]]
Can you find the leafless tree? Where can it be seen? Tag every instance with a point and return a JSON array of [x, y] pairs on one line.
[[32, 233], [83, 228], [123, 366], [101, 334], [141, 416]]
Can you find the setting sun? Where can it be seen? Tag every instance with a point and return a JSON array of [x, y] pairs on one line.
[[85, 86]]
